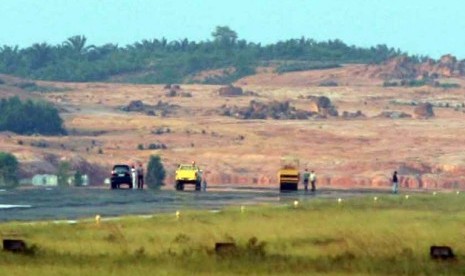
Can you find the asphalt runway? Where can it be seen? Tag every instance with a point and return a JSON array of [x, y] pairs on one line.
[[77, 203]]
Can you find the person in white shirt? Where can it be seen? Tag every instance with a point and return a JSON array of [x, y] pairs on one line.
[[313, 180], [134, 177]]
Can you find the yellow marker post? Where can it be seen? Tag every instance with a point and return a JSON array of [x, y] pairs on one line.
[[434, 193], [458, 192], [242, 209], [97, 219], [178, 214], [339, 200], [375, 198], [296, 203], [407, 196]]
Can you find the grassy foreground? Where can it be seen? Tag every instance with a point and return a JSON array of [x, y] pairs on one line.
[[359, 236]]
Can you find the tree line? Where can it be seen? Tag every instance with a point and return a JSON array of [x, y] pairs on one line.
[[163, 61]]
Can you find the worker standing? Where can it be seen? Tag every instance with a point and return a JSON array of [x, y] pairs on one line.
[[313, 180], [204, 181], [140, 177], [395, 183], [133, 176], [306, 178]]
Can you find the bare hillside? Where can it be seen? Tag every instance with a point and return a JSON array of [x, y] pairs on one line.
[[345, 150]]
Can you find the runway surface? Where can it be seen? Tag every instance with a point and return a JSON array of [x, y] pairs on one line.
[[76, 203]]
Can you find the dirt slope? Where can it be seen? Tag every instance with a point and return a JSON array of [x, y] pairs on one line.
[[344, 152]]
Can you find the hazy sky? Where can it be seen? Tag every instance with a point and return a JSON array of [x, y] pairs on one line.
[[423, 27]]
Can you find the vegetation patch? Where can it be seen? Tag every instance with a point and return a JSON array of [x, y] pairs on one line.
[[162, 61], [30, 117], [33, 87], [305, 66], [358, 236]]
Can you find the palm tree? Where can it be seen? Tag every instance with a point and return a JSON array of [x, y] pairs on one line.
[[77, 44], [39, 54]]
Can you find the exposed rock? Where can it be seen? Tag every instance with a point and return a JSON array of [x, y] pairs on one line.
[[178, 93], [353, 115], [393, 115], [259, 110], [322, 105], [134, 106], [229, 91], [406, 68], [161, 108], [423, 111]]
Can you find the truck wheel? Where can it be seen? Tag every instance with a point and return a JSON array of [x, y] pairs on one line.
[[113, 186], [178, 186]]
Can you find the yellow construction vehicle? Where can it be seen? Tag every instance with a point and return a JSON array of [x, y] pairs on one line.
[[288, 175]]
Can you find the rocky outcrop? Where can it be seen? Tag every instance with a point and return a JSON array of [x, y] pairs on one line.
[[260, 110], [423, 111], [406, 68], [323, 106], [230, 91], [134, 106], [353, 115], [161, 108], [393, 115]]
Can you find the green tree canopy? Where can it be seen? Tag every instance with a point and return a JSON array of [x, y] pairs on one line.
[[156, 173], [224, 35], [161, 61], [29, 117], [8, 170], [63, 173]]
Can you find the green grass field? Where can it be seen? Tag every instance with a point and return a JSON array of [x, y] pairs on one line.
[[358, 236]]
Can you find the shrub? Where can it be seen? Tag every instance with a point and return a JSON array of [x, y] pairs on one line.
[[328, 84], [155, 172], [140, 147], [30, 117], [390, 84], [78, 179], [305, 66], [8, 170], [63, 174]]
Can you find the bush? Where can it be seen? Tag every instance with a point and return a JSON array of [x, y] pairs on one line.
[[29, 117], [304, 66], [447, 85], [78, 181], [390, 84], [156, 174], [8, 170], [63, 173], [140, 147], [328, 84]]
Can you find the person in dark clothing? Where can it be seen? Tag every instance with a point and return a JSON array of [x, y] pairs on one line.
[[140, 177], [395, 183]]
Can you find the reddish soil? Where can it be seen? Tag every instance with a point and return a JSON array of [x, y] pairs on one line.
[[428, 153]]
